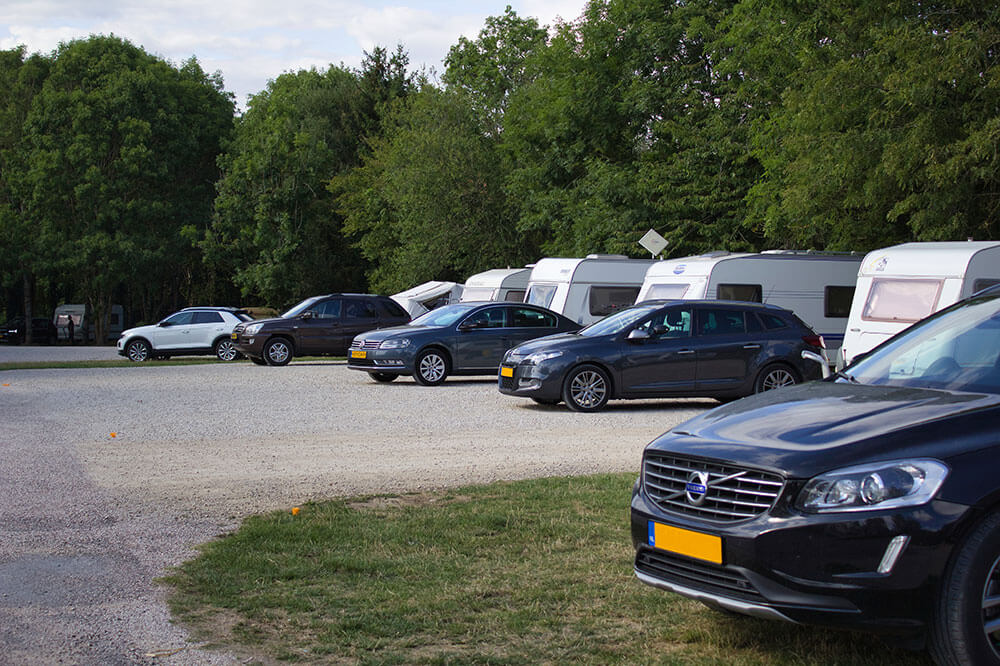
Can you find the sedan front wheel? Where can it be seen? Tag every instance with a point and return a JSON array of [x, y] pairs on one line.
[[432, 368]]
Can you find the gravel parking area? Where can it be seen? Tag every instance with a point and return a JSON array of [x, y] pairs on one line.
[[110, 476]]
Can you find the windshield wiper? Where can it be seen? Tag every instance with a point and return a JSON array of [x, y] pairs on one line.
[[843, 375]]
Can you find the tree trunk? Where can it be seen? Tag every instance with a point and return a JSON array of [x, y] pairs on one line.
[[29, 308]]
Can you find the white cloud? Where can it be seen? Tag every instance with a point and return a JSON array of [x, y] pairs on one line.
[[252, 41]]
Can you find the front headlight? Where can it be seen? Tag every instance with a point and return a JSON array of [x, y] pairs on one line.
[[252, 329], [875, 486], [394, 343], [540, 357]]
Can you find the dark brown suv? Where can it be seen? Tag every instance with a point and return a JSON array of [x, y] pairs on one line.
[[317, 326]]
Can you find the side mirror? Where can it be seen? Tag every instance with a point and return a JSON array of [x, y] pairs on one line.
[[813, 356], [472, 325], [660, 329], [308, 314], [637, 335], [163, 323]]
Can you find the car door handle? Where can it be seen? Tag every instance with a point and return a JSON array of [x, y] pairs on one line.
[[686, 351], [751, 346]]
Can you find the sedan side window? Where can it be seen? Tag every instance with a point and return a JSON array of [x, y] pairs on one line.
[[488, 318], [528, 318]]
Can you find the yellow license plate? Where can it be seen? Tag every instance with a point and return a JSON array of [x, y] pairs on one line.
[[506, 372], [685, 542], [234, 336], [359, 354]]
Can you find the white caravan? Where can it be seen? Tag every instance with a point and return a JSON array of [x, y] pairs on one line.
[[83, 324], [587, 289], [816, 286], [427, 296], [901, 284], [499, 284]]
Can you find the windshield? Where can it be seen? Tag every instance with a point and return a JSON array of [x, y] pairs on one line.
[[442, 316], [618, 322], [957, 349], [300, 308]]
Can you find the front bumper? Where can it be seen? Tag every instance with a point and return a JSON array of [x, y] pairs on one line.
[[808, 568], [392, 361], [542, 381]]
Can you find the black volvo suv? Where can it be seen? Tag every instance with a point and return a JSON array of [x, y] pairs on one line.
[[869, 500]]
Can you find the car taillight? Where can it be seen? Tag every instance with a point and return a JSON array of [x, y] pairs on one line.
[[814, 340]]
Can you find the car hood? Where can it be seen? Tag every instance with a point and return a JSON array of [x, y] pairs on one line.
[[397, 332], [139, 330], [554, 341], [803, 430]]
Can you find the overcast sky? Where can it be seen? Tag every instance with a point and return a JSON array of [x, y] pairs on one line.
[[253, 41]]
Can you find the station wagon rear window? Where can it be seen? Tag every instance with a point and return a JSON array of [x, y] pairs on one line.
[[896, 299]]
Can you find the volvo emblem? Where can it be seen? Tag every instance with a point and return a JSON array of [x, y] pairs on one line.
[[696, 487]]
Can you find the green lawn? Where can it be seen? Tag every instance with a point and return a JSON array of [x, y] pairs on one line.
[[509, 573]]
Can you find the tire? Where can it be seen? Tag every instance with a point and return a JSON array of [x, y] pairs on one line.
[[546, 401], [775, 376], [257, 360], [966, 604], [138, 351], [278, 351], [225, 350], [586, 389], [383, 377], [431, 367]]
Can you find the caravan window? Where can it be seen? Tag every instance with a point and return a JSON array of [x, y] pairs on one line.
[[605, 300], [667, 291], [983, 283], [515, 295], [477, 294], [740, 292], [895, 299], [837, 301], [541, 294]]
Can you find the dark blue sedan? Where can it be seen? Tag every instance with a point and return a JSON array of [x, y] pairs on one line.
[[459, 339]]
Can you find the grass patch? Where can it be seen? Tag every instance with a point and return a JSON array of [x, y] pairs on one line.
[[510, 573]]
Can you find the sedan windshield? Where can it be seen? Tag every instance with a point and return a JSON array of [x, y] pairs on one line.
[[619, 321], [300, 308], [958, 349], [442, 316]]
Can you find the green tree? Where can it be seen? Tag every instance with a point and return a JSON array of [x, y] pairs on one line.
[[276, 228], [119, 151], [886, 130], [428, 202], [630, 126], [23, 250]]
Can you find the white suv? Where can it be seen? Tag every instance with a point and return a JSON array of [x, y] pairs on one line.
[[205, 330]]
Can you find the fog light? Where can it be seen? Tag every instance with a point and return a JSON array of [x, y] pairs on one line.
[[388, 362], [892, 553]]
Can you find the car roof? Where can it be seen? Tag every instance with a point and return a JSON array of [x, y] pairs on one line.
[[714, 301], [211, 308]]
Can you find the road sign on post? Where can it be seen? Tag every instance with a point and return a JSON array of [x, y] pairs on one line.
[[653, 242]]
